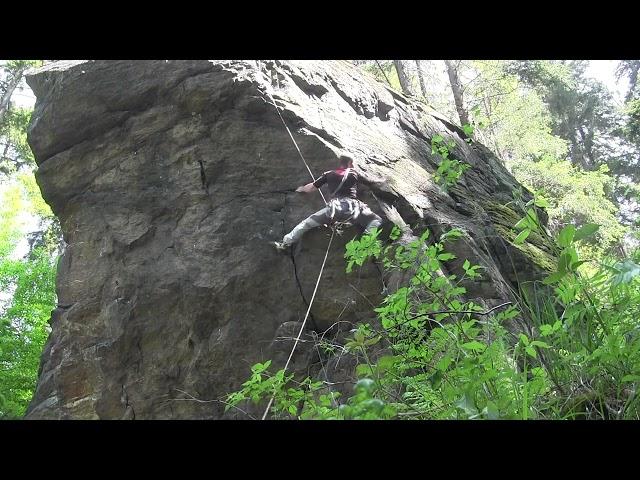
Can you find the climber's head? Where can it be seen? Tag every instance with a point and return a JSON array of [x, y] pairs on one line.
[[345, 161]]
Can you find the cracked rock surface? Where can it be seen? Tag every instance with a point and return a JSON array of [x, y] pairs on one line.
[[170, 178]]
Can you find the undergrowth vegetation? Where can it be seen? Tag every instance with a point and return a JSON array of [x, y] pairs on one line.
[[568, 347]]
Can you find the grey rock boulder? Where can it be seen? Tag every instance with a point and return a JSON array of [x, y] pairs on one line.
[[170, 180]]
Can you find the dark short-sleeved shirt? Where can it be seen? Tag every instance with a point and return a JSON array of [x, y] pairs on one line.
[[333, 179]]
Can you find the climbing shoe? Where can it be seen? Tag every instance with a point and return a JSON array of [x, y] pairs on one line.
[[282, 247]]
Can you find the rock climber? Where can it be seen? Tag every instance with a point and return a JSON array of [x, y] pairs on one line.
[[342, 207]]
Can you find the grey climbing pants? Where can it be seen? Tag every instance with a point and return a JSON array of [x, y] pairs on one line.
[[338, 210]]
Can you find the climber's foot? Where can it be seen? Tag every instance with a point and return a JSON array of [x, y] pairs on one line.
[[281, 247]]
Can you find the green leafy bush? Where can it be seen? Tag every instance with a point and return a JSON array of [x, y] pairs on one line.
[[575, 351], [449, 169]]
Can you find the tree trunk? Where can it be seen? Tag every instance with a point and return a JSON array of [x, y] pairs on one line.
[[4, 164], [633, 79], [383, 73], [403, 77], [456, 88], [423, 89], [586, 152], [6, 95]]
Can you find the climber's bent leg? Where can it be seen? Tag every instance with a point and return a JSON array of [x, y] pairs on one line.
[[312, 221], [368, 219]]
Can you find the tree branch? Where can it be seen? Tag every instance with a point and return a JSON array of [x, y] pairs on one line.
[[450, 311], [383, 73]]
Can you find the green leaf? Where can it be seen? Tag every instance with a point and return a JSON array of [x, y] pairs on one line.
[[531, 351], [586, 231], [522, 223], [563, 263], [436, 379], [364, 385], [541, 202], [453, 234], [363, 370], [474, 346], [372, 341], [491, 411], [630, 378], [509, 313], [546, 330], [627, 271], [444, 363], [522, 236], [566, 236], [386, 362], [259, 367], [573, 255], [467, 405], [374, 404], [533, 217], [553, 278]]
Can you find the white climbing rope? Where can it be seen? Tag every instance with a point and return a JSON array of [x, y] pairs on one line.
[[296, 145], [313, 296], [304, 322]]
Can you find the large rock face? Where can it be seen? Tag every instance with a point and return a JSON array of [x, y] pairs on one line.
[[171, 177]]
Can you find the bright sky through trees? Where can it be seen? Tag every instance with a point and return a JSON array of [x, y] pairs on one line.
[[602, 70]]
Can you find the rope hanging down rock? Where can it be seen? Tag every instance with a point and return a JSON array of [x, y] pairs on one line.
[[313, 296], [266, 411], [333, 231], [296, 145]]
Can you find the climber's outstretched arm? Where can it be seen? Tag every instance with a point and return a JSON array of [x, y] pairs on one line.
[[376, 183], [309, 187]]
